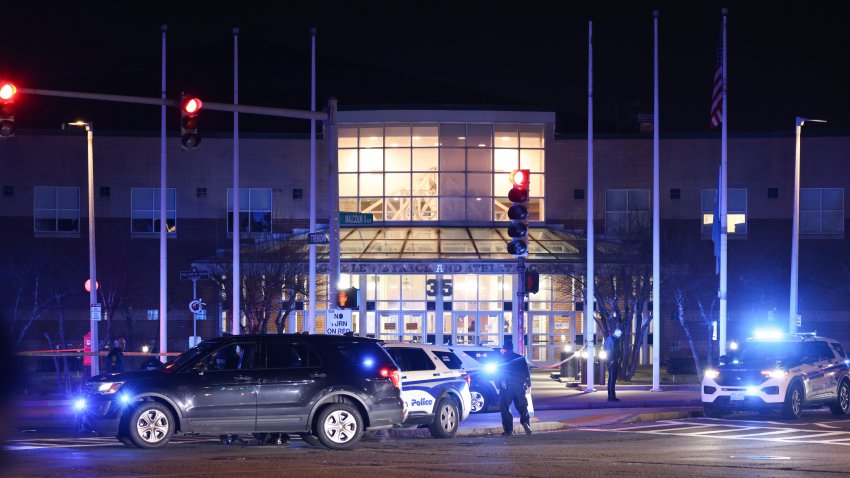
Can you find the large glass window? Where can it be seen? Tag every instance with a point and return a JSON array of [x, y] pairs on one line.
[[145, 205], [626, 211], [255, 210], [429, 172], [822, 211], [57, 209], [736, 211]]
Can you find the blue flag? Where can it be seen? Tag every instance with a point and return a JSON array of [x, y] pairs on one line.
[[715, 226]]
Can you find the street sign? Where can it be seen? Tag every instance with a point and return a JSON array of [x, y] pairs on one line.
[[196, 306], [194, 274], [95, 312], [339, 323], [319, 237], [354, 218]]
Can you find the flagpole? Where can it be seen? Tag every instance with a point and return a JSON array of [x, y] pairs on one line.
[[724, 186], [237, 274], [311, 309], [589, 310], [656, 225]]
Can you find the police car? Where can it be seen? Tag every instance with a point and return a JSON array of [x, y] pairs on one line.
[[481, 363], [779, 372], [435, 388]]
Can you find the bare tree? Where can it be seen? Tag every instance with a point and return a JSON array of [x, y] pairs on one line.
[[622, 287], [274, 275]]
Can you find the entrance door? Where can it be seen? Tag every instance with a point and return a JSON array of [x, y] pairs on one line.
[[489, 325], [464, 330], [388, 327], [413, 327], [560, 327], [540, 338]]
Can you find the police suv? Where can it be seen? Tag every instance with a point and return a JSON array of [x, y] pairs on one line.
[[781, 372], [435, 388]]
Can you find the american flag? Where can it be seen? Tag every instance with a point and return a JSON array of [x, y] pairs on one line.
[[717, 94]]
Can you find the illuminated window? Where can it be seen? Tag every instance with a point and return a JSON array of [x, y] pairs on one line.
[[57, 209], [145, 213], [429, 172], [255, 210], [822, 211], [736, 211]]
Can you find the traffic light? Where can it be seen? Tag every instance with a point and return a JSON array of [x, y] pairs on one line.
[[189, 107], [347, 298], [532, 281], [518, 213], [7, 109]]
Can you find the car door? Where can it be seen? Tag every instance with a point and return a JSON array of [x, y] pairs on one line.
[[291, 382], [419, 377], [814, 366], [220, 394]]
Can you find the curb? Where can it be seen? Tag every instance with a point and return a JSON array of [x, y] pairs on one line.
[[668, 415]]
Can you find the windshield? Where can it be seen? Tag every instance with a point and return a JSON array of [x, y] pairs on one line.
[[768, 353], [187, 357]]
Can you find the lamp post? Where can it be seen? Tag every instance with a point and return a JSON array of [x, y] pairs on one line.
[[93, 304], [795, 228]]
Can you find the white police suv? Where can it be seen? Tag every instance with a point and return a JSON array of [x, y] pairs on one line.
[[435, 387], [779, 372]]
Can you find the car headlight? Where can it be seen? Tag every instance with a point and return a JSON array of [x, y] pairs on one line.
[[775, 373], [108, 388], [711, 373]]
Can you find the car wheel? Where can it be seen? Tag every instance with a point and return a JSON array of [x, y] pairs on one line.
[[125, 439], [310, 439], [446, 419], [712, 411], [339, 426], [793, 402], [480, 401], [151, 425], [842, 400]]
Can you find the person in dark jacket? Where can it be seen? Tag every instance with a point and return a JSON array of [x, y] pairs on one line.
[[115, 358], [514, 381], [615, 356]]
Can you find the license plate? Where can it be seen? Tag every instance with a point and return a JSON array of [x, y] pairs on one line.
[[737, 396]]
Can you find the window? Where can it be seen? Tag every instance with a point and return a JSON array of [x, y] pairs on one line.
[[201, 193], [772, 193], [626, 211], [297, 193], [238, 356], [675, 193], [153, 314], [255, 210], [104, 191], [283, 355], [578, 194], [822, 211], [57, 209], [430, 172], [411, 359], [8, 190], [736, 211], [450, 359], [145, 213]]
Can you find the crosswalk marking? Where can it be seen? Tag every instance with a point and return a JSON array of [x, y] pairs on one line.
[[731, 431]]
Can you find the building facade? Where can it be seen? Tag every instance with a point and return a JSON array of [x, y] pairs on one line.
[[432, 266]]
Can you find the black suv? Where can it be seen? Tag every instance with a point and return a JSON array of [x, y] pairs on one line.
[[327, 388]]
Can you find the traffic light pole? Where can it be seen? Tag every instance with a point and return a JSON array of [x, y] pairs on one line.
[[520, 293]]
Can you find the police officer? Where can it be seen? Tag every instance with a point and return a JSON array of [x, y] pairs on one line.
[[115, 358], [514, 381], [615, 356]]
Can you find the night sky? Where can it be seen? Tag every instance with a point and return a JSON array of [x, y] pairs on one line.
[[785, 59]]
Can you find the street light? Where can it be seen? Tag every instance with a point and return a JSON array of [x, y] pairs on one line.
[[795, 229], [93, 305]]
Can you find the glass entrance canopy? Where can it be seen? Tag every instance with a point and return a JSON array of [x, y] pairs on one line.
[[464, 243]]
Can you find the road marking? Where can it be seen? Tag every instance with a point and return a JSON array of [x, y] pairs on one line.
[[736, 432], [85, 442]]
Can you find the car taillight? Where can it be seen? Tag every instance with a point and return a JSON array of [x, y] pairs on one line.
[[392, 374]]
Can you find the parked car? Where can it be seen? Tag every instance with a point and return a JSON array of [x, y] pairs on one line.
[[327, 388], [435, 388], [779, 372], [481, 363]]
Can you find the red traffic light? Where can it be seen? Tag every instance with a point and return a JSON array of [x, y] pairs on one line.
[[7, 91], [520, 178], [192, 105]]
